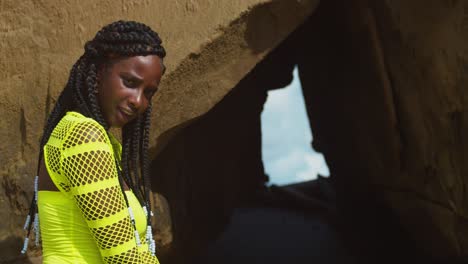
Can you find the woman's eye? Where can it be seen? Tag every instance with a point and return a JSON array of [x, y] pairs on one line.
[[128, 83]]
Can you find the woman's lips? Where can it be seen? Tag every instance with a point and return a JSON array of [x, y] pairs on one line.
[[127, 112], [126, 115]]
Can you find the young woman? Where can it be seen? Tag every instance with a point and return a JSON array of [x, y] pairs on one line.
[[92, 195]]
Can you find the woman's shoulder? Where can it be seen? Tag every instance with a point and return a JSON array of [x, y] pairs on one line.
[[77, 117], [76, 129]]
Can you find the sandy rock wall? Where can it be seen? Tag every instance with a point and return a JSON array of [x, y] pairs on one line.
[[387, 100], [385, 88], [425, 48], [210, 46]]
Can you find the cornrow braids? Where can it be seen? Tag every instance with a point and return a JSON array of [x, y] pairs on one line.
[[144, 158], [91, 81], [118, 39], [130, 157], [126, 166], [134, 162]]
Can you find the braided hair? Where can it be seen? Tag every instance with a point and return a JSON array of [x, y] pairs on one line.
[[118, 39]]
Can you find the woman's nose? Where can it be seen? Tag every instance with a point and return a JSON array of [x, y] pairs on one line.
[[136, 101]]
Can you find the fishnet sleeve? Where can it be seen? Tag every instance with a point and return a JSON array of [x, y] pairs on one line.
[[88, 164]]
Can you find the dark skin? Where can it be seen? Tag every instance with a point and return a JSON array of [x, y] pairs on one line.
[[125, 88]]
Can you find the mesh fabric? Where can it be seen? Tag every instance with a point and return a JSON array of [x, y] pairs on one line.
[[80, 158]]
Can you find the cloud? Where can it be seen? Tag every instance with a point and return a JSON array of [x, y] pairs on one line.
[[286, 137], [279, 101], [296, 166], [314, 164]]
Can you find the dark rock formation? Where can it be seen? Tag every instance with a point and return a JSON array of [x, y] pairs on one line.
[[383, 83]]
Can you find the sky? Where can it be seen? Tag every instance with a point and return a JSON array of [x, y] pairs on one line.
[[286, 139]]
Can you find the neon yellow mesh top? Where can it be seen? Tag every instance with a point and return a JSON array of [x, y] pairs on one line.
[[87, 221]]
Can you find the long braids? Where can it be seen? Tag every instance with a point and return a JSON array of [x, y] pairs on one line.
[[123, 39], [144, 149]]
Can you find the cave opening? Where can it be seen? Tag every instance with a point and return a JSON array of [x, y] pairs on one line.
[[287, 153], [214, 179]]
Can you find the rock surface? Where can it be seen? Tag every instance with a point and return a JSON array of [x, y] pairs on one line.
[[387, 104], [425, 48]]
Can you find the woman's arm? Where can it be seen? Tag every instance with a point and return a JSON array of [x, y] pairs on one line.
[[89, 165]]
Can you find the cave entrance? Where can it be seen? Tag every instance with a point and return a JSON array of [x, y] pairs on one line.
[[286, 137], [213, 166]]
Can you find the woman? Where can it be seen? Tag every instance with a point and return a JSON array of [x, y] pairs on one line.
[[91, 195]]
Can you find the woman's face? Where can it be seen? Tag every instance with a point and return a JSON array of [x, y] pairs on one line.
[[126, 86]]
